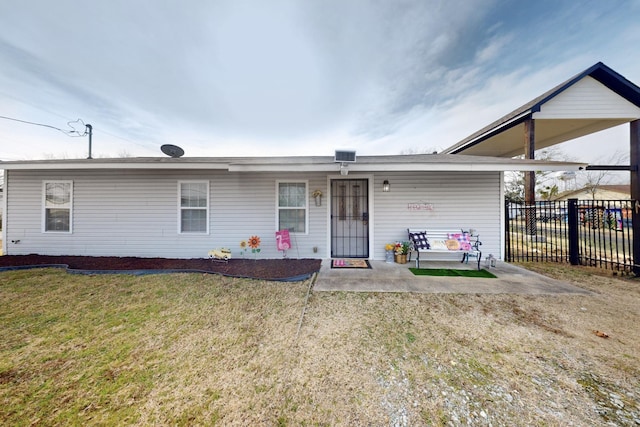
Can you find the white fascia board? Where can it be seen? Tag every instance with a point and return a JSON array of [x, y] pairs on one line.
[[290, 167], [87, 166], [549, 167], [410, 167], [483, 167], [294, 167]]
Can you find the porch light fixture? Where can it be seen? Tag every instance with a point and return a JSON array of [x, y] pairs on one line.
[[385, 186], [343, 169]]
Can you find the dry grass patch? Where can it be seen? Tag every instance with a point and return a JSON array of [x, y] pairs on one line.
[[166, 349], [195, 349]]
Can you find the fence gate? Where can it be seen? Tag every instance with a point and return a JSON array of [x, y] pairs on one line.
[[587, 232]]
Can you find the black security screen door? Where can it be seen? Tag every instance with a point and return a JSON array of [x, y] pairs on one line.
[[349, 218]]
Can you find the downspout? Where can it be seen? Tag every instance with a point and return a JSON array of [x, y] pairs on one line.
[[634, 157], [502, 218], [4, 213]]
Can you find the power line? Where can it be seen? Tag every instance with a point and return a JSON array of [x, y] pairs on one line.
[[74, 133], [147, 145], [71, 133], [34, 105]]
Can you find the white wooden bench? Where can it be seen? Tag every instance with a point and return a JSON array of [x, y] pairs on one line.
[[443, 241]]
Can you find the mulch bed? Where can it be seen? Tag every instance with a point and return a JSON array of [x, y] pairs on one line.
[[264, 269]]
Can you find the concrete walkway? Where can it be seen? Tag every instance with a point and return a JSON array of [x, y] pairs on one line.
[[389, 277]]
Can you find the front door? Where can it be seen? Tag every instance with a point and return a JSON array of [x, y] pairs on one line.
[[350, 218]]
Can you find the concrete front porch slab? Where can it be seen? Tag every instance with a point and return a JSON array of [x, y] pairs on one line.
[[390, 277]]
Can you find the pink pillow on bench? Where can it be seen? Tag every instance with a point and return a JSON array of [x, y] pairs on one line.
[[463, 238]]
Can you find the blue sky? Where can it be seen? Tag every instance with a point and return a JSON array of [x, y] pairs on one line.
[[291, 77]]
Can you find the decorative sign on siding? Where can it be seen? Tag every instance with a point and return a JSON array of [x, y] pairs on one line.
[[283, 240], [420, 206]]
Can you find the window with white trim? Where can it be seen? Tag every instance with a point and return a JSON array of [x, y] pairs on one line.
[[292, 206], [193, 206], [57, 206]]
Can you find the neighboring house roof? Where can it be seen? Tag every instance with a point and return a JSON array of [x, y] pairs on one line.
[[413, 162], [602, 192], [596, 99]]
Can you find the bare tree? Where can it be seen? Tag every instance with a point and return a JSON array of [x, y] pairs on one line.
[[428, 150], [514, 181], [592, 180]]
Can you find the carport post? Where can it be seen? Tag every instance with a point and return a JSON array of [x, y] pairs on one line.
[[572, 222], [634, 157], [530, 178]]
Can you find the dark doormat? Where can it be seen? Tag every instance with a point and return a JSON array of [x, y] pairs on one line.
[[452, 272], [350, 263]]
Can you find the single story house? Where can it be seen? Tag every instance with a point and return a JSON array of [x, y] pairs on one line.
[[599, 192], [184, 207]]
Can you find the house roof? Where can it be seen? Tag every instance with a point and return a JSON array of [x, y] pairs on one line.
[[504, 137], [623, 189], [413, 162]]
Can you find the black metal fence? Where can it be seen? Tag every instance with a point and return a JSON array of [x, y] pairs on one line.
[[587, 232]]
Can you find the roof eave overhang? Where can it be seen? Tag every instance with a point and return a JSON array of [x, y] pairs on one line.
[[95, 166], [475, 167], [483, 166], [515, 121], [599, 71]]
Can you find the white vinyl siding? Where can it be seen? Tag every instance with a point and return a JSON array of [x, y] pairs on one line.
[[193, 207], [57, 206], [587, 99], [292, 205], [458, 200], [133, 212]]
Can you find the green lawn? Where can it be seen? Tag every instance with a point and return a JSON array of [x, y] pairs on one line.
[[451, 272]]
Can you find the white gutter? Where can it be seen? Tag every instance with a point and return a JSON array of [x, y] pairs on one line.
[[515, 165], [412, 167], [290, 167], [89, 166]]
